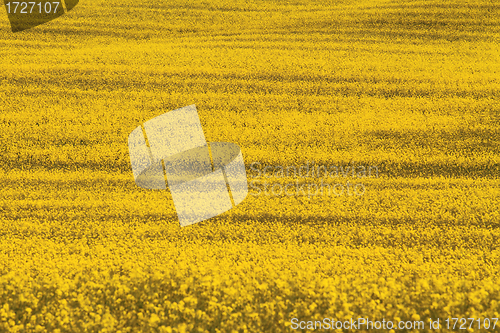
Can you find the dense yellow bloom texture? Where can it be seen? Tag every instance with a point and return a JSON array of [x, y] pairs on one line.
[[411, 88]]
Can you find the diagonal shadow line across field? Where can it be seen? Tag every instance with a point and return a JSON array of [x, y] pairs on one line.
[[483, 169], [321, 231]]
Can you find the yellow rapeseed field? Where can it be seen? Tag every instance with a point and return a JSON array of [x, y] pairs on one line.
[[409, 88]]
